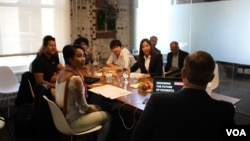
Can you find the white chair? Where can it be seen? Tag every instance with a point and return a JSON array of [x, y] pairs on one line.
[[61, 123], [9, 84], [2, 122], [215, 82]]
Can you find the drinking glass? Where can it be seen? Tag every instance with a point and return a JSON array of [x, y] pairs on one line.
[[125, 74], [133, 78], [108, 77]]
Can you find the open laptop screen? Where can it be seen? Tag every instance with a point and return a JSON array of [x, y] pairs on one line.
[[167, 84]]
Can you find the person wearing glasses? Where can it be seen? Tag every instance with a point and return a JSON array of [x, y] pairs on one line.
[[175, 60]]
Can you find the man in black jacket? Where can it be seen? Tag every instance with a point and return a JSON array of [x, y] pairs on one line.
[[175, 60], [189, 114]]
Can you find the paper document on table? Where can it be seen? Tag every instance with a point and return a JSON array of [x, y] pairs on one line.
[[110, 91]]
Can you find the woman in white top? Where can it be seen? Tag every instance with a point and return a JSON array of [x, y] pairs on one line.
[[80, 115]]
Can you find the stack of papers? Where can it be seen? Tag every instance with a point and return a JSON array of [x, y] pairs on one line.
[[110, 91]]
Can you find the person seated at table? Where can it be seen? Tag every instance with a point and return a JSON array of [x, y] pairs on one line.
[[189, 114], [79, 114], [120, 57], [46, 65], [149, 61], [175, 60], [154, 40], [84, 42]]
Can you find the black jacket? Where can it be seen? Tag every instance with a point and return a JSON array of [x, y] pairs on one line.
[[24, 94], [182, 56], [190, 114], [155, 66]]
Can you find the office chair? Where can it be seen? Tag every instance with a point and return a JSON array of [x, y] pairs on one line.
[[61, 123], [9, 84], [215, 82], [26, 93]]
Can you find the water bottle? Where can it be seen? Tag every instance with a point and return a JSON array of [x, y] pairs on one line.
[[96, 65], [90, 69]]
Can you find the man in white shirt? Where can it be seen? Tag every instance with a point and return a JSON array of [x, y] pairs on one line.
[[120, 57]]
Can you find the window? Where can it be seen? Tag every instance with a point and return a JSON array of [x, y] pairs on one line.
[[106, 16], [23, 25]]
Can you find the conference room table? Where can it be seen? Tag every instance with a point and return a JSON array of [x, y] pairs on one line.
[[125, 110]]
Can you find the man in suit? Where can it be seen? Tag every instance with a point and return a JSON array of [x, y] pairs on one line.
[[175, 60], [189, 114], [153, 40]]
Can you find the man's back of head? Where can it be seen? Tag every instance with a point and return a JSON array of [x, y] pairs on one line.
[[198, 68]]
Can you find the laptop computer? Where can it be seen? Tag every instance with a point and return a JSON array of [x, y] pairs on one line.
[[167, 84], [90, 80]]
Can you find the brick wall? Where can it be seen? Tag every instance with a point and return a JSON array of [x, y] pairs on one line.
[[83, 22]]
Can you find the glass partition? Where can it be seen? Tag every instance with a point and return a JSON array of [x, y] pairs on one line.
[[220, 27]]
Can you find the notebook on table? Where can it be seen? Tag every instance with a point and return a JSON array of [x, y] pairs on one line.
[[167, 84], [90, 80]]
